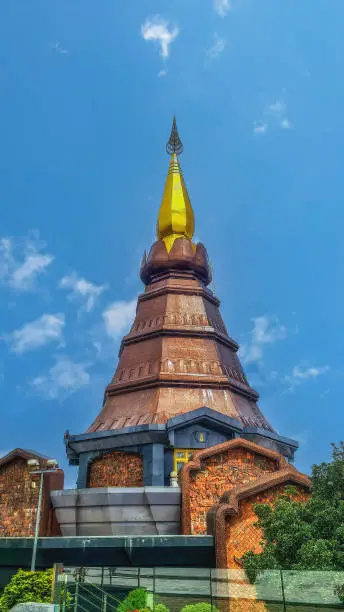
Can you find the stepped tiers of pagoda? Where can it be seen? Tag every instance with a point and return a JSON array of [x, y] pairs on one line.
[[178, 355], [179, 385]]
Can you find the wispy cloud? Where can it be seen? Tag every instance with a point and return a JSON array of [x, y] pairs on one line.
[[62, 379], [286, 124], [275, 114], [278, 110], [57, 47], [36, 334], [260, 128], [158, 30], [222, 7], [21, 262], [303, 372], [162, 73], [82, 289], [118, 317], [216, 48], [266, 330]]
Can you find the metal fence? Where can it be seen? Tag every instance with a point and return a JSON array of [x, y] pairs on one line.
[[89, 589]]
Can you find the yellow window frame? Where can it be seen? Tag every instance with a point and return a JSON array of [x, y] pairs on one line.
[[186, 452]]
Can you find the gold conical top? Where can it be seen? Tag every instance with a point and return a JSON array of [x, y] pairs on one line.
[[176, 218]]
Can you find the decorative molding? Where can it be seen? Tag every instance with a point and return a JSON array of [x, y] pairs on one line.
[[210, 333], [184, 381], [199, 367], [180, 290]]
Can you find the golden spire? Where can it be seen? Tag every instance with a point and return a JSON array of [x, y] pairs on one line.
[[176, 218]]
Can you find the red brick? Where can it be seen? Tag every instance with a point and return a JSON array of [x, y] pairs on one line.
[[117, 469]]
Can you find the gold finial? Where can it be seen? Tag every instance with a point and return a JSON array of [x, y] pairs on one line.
[[176, 218]]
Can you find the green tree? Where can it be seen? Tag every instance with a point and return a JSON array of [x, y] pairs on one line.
[[305, 536], [141, 599], [27, 587]]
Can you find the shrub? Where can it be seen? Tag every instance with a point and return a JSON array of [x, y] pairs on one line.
[[137, 600], [339, 591], [160, 607], [27, 587], [199, 607]]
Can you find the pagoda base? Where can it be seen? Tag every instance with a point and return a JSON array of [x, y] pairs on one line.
[[118, 511]]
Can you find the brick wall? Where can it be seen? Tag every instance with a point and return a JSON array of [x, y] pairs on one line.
[[116, 469], [219, 473], [242, 534], [19, 499]]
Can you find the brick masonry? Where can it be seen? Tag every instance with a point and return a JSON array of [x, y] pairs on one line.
[[19, 492], [219, 473], [242, 533], [116, 469]]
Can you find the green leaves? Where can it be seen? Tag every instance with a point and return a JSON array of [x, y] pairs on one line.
[[138, 599], [199, 607], [305, 536], [27, 587]]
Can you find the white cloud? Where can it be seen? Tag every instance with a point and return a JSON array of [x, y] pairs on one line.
[[48, 328], [118, 317], [286, 124], [222, 7], [277, 108], [260, 128], [62, 379], [81, 288], [274, 113], [278, 111], [304, 372], [266, 330], [158, 29], [217, 47], [162, 73], [59, 49], [22, 262]]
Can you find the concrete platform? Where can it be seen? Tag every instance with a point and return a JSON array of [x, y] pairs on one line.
[[118, 511]]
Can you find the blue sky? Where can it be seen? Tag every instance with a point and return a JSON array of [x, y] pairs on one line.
[[88, 90]]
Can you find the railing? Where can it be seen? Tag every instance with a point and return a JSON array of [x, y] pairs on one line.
[[102, 589]]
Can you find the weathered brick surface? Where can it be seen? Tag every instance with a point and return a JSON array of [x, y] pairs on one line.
[[242, 533], [19, 499], [220, 473], [116, 469]]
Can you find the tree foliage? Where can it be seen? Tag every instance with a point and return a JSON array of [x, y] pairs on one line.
[[27, 587], [139, 599], [309, 535], [199, 607]]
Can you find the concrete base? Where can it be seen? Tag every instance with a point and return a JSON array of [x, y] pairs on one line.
[[118, 511]]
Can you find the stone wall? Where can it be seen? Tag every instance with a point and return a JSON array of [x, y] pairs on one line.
[[19, 498], [221, 472], [116, 469]]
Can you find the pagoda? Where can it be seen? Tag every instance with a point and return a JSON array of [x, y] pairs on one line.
[[179, 386], [179, 448]]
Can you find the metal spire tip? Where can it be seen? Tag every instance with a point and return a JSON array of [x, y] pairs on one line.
[[174, 144]]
